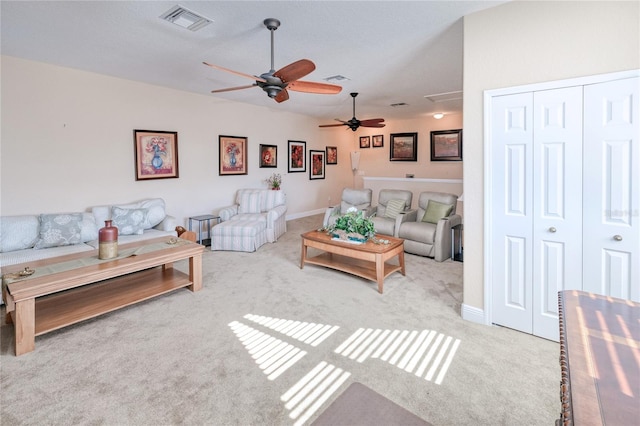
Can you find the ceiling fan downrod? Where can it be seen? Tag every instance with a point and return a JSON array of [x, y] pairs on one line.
[[272, 24]]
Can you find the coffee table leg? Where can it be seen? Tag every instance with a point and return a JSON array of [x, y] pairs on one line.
[[195, 273], [25, 326], [380, 272], [401, 260], [303, 254]]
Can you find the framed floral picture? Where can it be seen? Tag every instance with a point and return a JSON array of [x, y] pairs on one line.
[[332, 155], [156, 154], [268, 155], [403, 147], [233, 155], [316, 159], [377, 141], [365, 141], [297, 156], [446, 145]]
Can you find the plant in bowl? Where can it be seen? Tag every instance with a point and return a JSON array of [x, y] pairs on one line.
[[353, 225], [274, 181]]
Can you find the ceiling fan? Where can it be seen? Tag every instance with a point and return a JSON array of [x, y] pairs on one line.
[[354, 123], [277, 83]]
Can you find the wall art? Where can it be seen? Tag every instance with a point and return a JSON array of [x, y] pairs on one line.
[[332, 155], [156, 154], [297, 156], [403, 147], [233, 155], [377, 141], [316, 161], [268, 155], [365, 141], [446, 145]]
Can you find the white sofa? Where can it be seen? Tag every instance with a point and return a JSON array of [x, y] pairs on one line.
[[28, 238], [256, 218]]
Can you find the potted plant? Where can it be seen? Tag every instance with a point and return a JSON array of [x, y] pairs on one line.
[[274, 181], [353, 225]]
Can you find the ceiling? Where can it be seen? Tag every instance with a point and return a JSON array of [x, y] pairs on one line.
[[390, 51]]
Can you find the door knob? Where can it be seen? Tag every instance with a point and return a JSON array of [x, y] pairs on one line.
[[617, 237], [552, 229]]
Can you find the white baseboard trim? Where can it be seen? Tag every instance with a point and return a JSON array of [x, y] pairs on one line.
[[473, 314], [305, 214]]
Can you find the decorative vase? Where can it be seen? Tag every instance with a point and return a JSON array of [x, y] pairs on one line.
[[156, 161], [108, 241], [232, 159]]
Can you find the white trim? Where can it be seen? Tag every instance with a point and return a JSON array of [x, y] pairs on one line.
[[473, 314], [413, 179], [305, 214]]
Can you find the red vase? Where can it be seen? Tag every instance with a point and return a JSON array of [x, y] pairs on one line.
[[108, 241]]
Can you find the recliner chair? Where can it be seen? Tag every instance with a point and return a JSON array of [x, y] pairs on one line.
[[358, 198], [390, 211], [427, 230]]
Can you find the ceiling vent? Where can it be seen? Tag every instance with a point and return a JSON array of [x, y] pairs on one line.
[[399, 104], [444, 97], [336, 78], [185, 18]]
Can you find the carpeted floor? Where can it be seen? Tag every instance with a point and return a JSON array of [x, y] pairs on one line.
[[266, 343]]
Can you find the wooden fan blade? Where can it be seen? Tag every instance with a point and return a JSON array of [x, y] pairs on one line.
[[241, 74], [332, 125], [282, 96], [372, 122], [295, 70], [230, 89], [314, 87], [373, 125]]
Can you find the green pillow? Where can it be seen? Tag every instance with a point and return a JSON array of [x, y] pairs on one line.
[[394, 207], [436, 211]]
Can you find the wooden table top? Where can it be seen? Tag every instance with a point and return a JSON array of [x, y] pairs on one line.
[[369, 246]]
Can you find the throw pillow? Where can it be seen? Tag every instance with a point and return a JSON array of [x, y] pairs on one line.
[[59, 230], [249, 202], [129, 221], [436, 211], [18, 232], [394, 208]]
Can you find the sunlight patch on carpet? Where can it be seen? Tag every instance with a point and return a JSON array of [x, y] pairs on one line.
[[427, 353], [310, 333], [305, 397], [272, 355]]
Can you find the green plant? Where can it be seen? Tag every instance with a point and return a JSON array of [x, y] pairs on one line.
[[274, 181], [354, 221]]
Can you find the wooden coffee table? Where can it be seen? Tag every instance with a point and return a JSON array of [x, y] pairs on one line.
[[68, 289], [368, 260]]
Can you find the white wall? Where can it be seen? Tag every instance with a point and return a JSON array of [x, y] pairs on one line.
[[528, 42]]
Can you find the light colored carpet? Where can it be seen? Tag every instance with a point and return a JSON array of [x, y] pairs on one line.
[[266, 343]]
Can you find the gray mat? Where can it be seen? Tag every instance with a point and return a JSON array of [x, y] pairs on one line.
[[359, 405]]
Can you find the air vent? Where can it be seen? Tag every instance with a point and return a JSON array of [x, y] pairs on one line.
[[185, 18], [399, 104], [336, 78], [444, 97]]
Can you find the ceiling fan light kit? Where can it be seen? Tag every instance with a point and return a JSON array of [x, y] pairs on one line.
[[354, 123], [275, 83], [438, 115]]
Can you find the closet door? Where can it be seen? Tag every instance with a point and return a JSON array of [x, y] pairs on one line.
[[612, 189], [512, 212], [557, 203]]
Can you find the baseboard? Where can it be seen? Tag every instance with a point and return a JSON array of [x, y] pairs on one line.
[[305, 214], [473, 314]]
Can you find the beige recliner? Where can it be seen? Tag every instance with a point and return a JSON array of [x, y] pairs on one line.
[[358, 198], [389, 213], [427, 230]]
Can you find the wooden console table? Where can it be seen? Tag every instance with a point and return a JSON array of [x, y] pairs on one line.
[[599, 359], [68, 289], [368, 260]]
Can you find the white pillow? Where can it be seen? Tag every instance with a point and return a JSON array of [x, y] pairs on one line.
[[18, 232]]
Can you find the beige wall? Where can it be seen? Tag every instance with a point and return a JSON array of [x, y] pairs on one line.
[[529, 42]]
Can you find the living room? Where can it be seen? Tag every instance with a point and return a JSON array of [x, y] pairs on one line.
[[67, 144]]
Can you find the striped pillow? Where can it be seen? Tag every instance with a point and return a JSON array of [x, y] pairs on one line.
[[249, 202], [394, 208]]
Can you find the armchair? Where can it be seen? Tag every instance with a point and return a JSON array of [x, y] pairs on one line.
[[390, 211], [427, 230], [358, 198]]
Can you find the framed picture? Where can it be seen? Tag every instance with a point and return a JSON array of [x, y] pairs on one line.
[[332, 155], [297, 156], [316, 159], [446, 145], [377, 141], [404, 147], [268, 155], [365, 141], [233, 155], [156, 154]]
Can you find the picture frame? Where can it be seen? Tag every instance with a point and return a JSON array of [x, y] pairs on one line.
[[316, 164], [233, 155], [403, 147], [377, 141], [446, 145], [268, 155], [332, 155], [156, 154], [297, 156], [365, 141]]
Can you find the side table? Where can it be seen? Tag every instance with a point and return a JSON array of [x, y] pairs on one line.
[[204, 219]]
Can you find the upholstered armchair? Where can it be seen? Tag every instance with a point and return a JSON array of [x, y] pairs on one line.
[[358, 198], [427, 230], [390, 211]]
